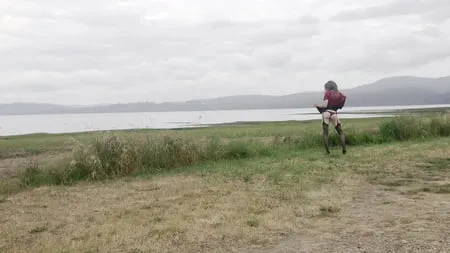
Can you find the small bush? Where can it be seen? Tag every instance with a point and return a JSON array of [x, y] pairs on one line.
[[31, 175], [403, 128], [213, 150], [34, 176], [169, 152], [440, 126], [106, 157]]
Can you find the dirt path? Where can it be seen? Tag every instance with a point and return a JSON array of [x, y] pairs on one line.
[[378, 221]]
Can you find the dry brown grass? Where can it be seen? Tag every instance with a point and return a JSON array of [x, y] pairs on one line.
[[254, 202], [183, 213], [12, 165]]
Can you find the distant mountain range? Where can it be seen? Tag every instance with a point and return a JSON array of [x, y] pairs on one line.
[[400, 90]]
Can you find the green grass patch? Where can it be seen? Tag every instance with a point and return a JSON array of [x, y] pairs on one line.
[[114, 155]]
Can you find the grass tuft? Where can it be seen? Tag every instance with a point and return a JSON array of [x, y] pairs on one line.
[[440, 125], [40, 229], [329, 210], [404, 128], [438, 188], [253, 222]]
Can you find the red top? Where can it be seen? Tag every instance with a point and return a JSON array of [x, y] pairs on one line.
[[334, 98]]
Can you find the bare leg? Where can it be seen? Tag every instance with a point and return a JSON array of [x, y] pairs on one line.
[[325, 137], [342, 138]]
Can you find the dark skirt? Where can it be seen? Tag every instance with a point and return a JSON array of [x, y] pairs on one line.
[[321, 109]]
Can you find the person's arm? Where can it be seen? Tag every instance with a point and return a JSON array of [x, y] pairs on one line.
[[323, 105], [325, 102]]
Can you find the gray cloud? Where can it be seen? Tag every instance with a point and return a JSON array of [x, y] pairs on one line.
[[433, 9], [104, 51], [403, 50]]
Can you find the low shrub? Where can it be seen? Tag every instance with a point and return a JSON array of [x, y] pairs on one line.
[[440, 125], [403, 128]]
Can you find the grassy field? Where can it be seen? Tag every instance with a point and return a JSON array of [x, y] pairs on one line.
[[25, 145], [245, 188]]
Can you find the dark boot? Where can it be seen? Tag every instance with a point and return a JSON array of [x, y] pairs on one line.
[[325, 138], [342, 138]]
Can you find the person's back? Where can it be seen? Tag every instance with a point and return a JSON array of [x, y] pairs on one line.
[[336, 99], [333, 101]]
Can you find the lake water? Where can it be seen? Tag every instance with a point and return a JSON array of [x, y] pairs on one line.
[[65, 123]]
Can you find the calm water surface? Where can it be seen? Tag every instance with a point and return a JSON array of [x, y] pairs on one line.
[[64, 123]]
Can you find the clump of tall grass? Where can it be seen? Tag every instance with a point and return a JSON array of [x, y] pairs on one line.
[[106, 157], [112, 155], [402, 128], [168, 152], [440, 125]]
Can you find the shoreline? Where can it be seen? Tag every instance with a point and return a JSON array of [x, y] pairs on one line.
[[181, 128], [371, 114]]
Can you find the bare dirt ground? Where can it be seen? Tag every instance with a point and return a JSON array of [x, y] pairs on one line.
[[378, 220]]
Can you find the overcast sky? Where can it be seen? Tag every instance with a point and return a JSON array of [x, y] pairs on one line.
[[103, 51]]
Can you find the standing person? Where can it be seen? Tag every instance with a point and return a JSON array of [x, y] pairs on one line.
[[332, 101]]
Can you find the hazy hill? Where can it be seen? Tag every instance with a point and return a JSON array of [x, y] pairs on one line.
[[407, 82], [31, 108], [400, 90]]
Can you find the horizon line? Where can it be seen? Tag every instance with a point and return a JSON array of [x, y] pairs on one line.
[[217, 97]]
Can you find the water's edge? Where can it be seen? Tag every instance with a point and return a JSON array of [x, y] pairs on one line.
[[74, 123]]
